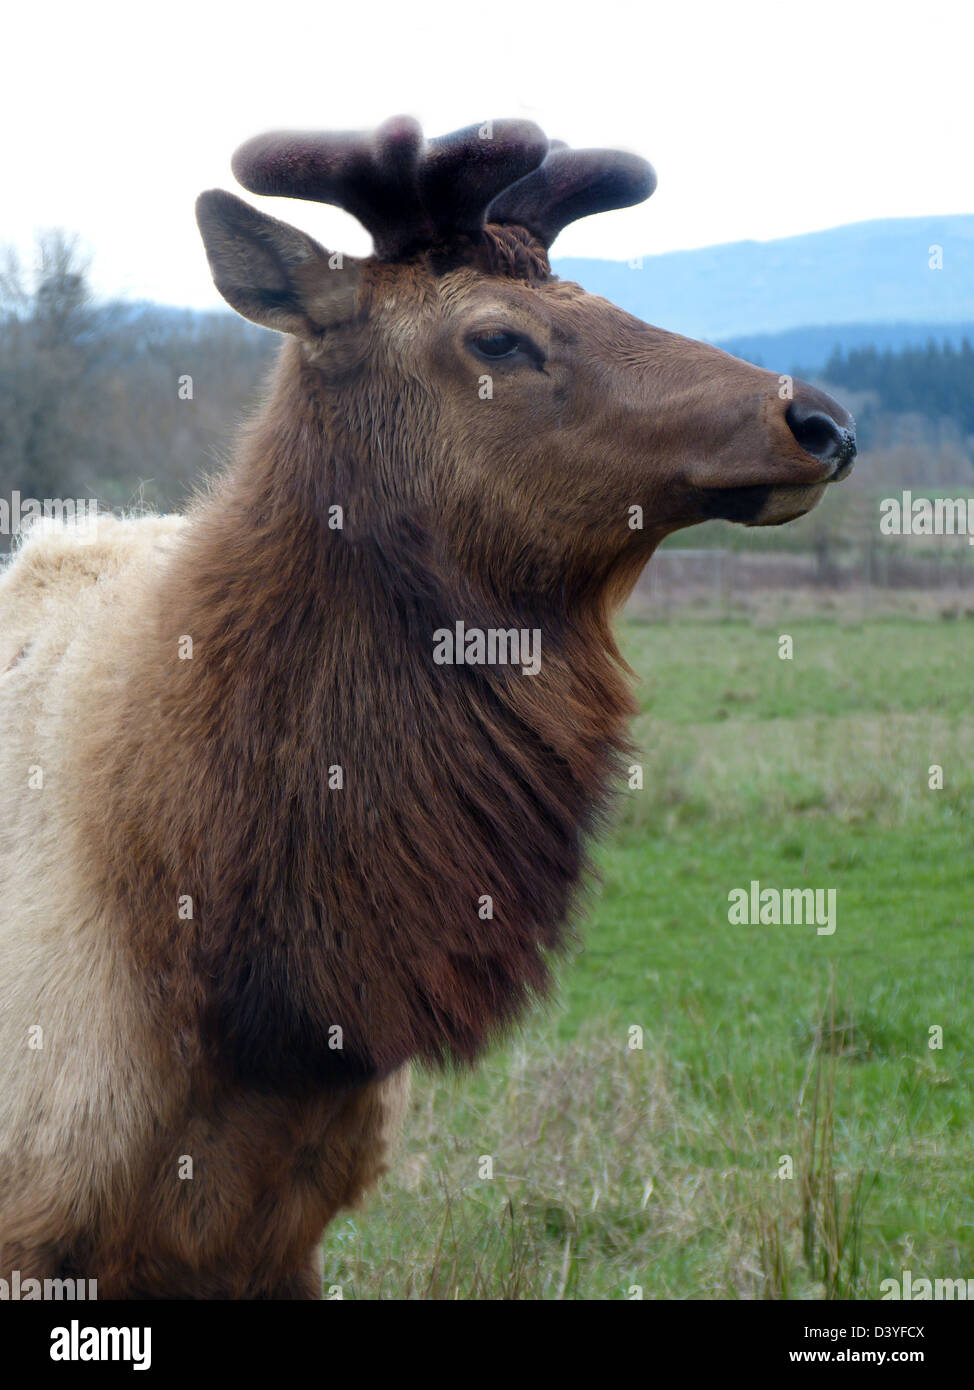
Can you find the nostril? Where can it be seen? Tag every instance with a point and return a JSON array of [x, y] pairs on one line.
[[818, 434]]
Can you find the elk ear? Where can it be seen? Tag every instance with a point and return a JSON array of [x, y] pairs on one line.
[[271, 272]]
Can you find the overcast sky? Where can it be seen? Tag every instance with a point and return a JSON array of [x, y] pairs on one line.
[[762, 119]]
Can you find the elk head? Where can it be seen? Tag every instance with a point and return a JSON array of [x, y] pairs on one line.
[[465, 381]]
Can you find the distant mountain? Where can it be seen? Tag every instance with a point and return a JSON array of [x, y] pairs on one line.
[[865, 273], [808, 349]]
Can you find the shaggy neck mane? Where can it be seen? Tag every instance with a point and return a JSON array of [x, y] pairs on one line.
[[337, 806]]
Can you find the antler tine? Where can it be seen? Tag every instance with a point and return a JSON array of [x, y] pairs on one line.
[[571, 184], [461, 173], [371, 174]]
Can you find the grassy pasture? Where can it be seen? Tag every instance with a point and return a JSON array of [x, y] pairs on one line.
[[656, 1166]]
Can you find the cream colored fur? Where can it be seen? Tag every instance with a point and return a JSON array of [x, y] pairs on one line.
[[76, 1096]]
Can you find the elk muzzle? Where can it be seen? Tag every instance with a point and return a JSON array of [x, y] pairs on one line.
[[787, 455]]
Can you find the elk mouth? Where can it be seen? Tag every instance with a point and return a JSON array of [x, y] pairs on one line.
[[786, 504], [775, 504], [763, 504]]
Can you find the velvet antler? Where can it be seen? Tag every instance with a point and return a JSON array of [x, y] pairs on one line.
[[571, 184], [409, 193]]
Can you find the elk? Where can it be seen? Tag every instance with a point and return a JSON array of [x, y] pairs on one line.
[[249, 820]]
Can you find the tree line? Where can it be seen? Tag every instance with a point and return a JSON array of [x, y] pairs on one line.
[[936, 381]]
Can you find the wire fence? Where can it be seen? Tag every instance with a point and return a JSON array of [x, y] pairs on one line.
[[726, 579]]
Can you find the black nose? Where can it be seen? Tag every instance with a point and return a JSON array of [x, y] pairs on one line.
[[821, 436]]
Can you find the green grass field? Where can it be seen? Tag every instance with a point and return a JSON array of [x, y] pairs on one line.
[[656, 1168]]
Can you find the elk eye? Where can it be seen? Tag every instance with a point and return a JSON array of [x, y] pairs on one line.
[[497, 345]]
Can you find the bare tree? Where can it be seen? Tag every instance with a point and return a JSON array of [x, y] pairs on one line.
[[47, 351]]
